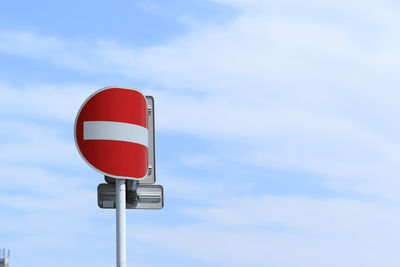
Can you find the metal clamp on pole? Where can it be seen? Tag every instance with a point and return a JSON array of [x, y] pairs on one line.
[[138, 196], [131, 191]]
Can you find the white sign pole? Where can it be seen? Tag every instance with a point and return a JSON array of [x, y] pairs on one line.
[[120, 189]]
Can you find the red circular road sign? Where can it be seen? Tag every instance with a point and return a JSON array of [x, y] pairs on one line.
[[111, 132]]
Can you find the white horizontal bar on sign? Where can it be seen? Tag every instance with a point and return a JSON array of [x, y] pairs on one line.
[[116, 131]]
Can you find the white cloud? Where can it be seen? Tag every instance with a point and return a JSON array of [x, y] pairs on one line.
[[313, 88], [37, 123], [45, 216], [58, 103], [296, 92], [382, 12], [32, 143], [49, 49], [201, 161], [284, 231], [301, 94]]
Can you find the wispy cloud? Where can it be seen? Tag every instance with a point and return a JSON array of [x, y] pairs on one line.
[[298, 94], [265, 230], [279, 88]]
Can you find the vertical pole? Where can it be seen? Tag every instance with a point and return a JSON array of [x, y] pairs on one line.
[[120, 189]]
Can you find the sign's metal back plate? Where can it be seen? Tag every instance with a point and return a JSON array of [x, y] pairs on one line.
[[151, 178]]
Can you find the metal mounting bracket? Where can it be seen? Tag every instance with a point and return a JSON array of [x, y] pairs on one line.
[[138, 196]]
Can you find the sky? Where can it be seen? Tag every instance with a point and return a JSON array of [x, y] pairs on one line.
[[277, 131]]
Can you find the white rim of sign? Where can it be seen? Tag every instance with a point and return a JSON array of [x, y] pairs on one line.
[[76, 141]]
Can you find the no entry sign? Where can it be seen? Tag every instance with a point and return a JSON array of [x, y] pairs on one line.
[[111, 133]]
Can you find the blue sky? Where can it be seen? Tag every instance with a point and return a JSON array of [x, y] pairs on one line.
[[277, 131]]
